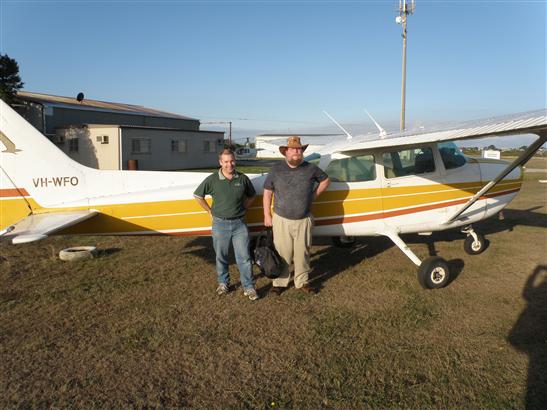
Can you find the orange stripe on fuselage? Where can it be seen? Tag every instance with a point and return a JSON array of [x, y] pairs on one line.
[[4, 193]]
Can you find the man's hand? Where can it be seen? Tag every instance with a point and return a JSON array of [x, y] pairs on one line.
[[267, 204], [203, 203], [321, 188]]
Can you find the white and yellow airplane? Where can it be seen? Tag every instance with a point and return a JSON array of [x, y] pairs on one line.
[[391, 185]]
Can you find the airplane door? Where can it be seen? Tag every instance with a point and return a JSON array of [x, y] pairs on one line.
[[412, 190], [352, 205], [462, 176]]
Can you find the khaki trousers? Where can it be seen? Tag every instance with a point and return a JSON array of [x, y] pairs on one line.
[[292, 239]]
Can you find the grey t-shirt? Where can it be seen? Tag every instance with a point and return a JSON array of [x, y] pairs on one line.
[[293, 188]]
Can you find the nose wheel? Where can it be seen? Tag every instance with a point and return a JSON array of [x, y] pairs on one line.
[[474, 243]]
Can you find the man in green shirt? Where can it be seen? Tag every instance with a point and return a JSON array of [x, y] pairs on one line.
[[232, 194]]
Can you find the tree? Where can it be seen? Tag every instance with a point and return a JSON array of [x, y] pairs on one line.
[[10, 82]]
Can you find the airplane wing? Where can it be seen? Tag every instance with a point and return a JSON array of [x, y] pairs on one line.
[[531, 122], [38, 226]]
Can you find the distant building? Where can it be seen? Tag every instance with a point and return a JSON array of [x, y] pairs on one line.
[[267, 145], [108, 135], [491, 153]]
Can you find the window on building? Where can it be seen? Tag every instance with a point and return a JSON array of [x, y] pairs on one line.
[[451, 155], [178, 145], [413, 161], [359, 168], [209, 146], [73, 145], [141, 145]]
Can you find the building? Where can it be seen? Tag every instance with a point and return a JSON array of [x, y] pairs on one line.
[[108, 135], [267, 145]]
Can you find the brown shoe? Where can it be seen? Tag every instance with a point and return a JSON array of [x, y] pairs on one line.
[[277, 290], [308, 289]]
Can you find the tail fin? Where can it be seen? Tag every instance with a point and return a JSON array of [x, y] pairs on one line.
[[32, 165]]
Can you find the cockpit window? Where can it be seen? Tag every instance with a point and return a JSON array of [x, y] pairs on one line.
[[353, 169], [451, 155], [413, 161]]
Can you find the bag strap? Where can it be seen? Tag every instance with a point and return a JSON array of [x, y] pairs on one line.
[[262, 237], [269, 236]]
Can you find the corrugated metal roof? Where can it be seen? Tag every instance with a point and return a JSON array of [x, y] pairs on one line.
[[69, 102]]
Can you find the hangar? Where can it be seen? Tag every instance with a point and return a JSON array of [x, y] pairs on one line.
[[108, 135]]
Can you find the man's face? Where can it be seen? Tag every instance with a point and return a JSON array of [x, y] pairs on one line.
[[227, 163], [294, 156]]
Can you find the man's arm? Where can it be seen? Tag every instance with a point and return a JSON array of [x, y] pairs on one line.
[[267, 204], [203, 203], [321, 187], [248, 202]]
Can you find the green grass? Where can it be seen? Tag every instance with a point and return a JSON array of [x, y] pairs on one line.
[[141, 326]]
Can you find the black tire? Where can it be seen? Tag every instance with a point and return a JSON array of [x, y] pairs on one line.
[[472, 247], [344, 241], [433, 273]]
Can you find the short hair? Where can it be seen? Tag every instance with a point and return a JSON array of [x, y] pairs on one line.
[[226, 151]]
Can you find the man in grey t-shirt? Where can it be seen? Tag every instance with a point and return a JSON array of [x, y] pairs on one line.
[[295, 183]]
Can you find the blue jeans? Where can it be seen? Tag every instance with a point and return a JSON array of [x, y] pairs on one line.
[[236, 231]]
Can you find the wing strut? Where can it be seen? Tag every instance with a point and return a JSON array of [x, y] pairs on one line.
[[525, 156]]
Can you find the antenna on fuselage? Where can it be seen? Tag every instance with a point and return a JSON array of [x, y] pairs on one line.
[[339, 126], [383, 132]]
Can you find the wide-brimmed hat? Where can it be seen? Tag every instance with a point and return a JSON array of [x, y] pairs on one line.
[[292, 142]]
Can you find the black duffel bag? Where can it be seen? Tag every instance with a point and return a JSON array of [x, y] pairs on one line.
[[265, 255]]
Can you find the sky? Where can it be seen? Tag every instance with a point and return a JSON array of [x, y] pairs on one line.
[[274, 66]]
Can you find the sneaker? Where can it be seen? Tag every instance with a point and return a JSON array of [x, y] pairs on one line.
[[251, 293], [222, 289]]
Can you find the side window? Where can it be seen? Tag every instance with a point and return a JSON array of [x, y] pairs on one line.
[[209, 146], [451, 155], [141, 145], [354, 169], [413, 161], [178, 145]]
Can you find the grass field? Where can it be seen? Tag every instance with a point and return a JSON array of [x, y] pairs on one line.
[[141, 326]]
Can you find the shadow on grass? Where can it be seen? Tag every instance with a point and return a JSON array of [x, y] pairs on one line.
[[108, 251], [529, 335], [332, 260]]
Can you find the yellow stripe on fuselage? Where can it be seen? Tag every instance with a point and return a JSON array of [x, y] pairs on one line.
[[187, 214]]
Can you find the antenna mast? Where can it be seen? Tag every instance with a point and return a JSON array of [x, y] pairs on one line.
[[404, 10]]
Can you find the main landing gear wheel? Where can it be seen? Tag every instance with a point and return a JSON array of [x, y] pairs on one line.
[[474, 245], [433, 273], [344, 241]]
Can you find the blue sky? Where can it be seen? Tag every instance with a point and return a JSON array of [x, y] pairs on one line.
[[276, 65]]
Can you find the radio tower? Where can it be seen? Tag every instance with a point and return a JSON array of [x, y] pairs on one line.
[[404, 10]]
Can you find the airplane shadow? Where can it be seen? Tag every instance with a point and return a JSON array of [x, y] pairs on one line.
[[511, 219], [331, 261], [529, 335]]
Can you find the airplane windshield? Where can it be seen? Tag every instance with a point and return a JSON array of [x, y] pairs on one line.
[[451, 155]]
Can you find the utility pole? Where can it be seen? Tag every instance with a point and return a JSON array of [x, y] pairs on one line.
[[404, 10], [223, 122]]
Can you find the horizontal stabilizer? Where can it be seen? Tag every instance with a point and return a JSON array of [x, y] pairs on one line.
[[38, 226]]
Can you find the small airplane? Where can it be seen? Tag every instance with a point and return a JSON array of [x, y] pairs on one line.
[[245, 153], [409, 182]]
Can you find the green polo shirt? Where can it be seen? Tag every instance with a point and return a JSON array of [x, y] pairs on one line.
[[228, 195]]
